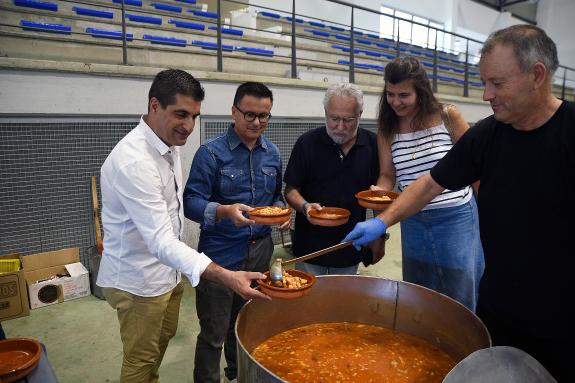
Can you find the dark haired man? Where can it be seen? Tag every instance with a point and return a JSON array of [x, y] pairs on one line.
[[142, 216], [524, 156], [230, 174]]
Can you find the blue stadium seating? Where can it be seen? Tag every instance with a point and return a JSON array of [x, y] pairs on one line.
[[255, 51], [229, 31], [144, 19], [297, 20], [362, 65], [165, 40], [270, 14], [187, 1], [36, 4], [166, 7], [210, 15], [211, 45], [316, 24], [93, 12], [134, 3], [342, 37], [115, 35], [187, 24], [364, 41], [45, 27], [337, 29], [317, 33]]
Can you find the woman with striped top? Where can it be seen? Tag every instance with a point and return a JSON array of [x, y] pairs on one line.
[[441, 248]]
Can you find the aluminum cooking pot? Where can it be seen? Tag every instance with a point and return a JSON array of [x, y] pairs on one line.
[[400, 306]]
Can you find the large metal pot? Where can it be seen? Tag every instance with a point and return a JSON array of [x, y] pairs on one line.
[[401, 306]]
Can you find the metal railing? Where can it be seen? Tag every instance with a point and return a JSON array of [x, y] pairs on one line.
[[564, 79]]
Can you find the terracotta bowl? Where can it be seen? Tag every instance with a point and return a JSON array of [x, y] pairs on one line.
[[366, 199], [329, 216], [18, 357], [261, 219], [286, 293]]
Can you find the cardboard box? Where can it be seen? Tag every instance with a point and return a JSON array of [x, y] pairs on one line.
[[13, 293], [55, 276]]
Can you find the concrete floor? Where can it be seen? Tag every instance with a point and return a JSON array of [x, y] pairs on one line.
[[83, 342]]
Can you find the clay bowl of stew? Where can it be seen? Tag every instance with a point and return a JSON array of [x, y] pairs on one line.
[[287, 292], [376, 199], [270, 215], [329, 216]]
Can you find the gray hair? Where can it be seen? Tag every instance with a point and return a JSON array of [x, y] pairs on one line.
[[530, 44], [344, 89]]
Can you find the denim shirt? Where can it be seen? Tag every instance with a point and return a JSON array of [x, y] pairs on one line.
[[224, 171]]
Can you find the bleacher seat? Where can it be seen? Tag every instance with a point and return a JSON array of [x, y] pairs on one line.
[[317, 33], [372, 36], [45, 27], [363, 65], [211, 45], [297, 20], [166, 7], [165, 40], [36, 4], [364, 41], [144, 19], [187, 24], [210, 15], [255, 51], [337, 29], [228, 31], [187, 1], [269, 14], [316, 24], [115, 35], [342, 37], [134, 3], [93, 12]]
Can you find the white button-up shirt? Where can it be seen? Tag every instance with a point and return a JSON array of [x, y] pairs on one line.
[[142, 216]]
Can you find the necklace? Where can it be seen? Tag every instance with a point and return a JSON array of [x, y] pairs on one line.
[[416, 152]]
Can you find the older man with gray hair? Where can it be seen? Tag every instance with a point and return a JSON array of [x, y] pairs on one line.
[[327, 166]]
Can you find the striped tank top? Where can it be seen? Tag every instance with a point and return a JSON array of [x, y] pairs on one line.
[[414, 154]]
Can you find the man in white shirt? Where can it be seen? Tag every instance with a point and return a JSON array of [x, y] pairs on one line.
[[142, 216]]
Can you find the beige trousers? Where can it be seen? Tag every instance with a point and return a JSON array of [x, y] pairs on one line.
[[146, 326]]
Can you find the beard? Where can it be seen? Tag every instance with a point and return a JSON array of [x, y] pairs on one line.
[[341, 139]]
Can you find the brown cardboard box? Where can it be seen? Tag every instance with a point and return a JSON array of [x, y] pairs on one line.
[[13, 293], [55, 276]]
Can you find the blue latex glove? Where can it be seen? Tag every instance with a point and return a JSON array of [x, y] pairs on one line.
[[365, 232]]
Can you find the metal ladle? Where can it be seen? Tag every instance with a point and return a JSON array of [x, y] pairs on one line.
[[276, 269]]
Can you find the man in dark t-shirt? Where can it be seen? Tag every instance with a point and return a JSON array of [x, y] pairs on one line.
[[524, 156], [327, 167]]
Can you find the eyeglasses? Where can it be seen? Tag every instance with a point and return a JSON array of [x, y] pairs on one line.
[[251, 116], [348, 121]]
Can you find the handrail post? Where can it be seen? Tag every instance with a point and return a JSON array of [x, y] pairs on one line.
[[124, 47], [466, 78], [293, 49], [352, 50], [564, 82], [398, 50], [435, 65], [220, 64]]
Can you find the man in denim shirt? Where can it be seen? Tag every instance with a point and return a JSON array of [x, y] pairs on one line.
[[230, 174]]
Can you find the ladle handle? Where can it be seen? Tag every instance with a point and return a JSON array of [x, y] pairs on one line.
[[317, 253]]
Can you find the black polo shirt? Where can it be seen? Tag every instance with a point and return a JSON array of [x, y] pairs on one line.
[[321, 171]]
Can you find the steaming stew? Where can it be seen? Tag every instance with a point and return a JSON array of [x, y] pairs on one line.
[[351, 352]]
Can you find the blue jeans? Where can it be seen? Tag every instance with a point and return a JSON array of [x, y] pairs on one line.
[[442, 251], [217, 308], [326, 270]]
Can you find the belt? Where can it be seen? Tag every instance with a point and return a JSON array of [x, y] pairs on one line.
[[255, 238]]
